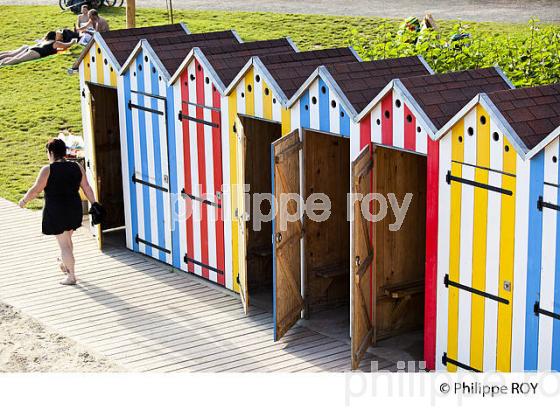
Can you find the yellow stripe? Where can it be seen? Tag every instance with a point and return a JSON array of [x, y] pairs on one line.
[[267, 102], [286, 121], [507, 229], [457, 154], [232, 107], [249, 95], [113, 76], [99, 66], [480, 228], [86, 65]]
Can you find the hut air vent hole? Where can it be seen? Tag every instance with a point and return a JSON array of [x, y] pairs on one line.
[[306, 107], [274, 101], [333, 103], [387, 114], [93, 59], [111, 69], [98, 50], [554, 159], [324, 89], [191, 77], [482, 119], [214, 88], [506, 148], [242, 95], [153, 70], [378, 121], [460, 138], [342, 113], [496, 136], [199, 68], [314, 100], [470, 130], [146, 59], [134, 74], [234, 128], [88, 64], [207, 80], [266, 91], [105, 61], [140, 67], [249, 88], [159, 78], [418, 129], [257, 78], [398, 103], [409, 118]]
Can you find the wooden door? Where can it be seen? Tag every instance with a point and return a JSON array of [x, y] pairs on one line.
[[91, 160], [363, 312], [287, 299], [241, 214]]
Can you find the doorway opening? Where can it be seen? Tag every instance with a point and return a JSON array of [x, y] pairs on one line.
[[105, 162], [258, 136], [399, 252]]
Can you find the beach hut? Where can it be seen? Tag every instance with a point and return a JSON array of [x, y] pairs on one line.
[[397, 131], [323, 113], [202, 153], [148, 140], [98, 66], [254, 116], [498, 281]]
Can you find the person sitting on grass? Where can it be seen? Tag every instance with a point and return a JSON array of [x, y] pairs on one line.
[[83, 18], [96, 22], [50, 44]]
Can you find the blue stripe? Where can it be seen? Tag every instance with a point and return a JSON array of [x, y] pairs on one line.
[[159, 171], [344, 123], [324, 111], [173, 183], [144, 156], [130, 154], [304, 120], [555, 365], [273, 212], [534, 262]]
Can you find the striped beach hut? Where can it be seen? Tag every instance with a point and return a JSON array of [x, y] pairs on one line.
[[148, 141], [98, 66], [201, 148], [254, 115], [397, 132], [498, 281]]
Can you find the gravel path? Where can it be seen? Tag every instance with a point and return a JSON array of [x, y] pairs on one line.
[[474, 10]]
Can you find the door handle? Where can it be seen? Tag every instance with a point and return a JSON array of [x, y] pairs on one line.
[[278, 237]]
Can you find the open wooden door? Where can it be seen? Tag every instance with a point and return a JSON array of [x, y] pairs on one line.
[[91, 160], [287, 299], [363, 315], [241, 214]]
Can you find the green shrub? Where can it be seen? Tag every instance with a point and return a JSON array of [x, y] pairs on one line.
[[531, 57]]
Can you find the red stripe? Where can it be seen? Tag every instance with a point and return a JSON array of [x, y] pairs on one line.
[[409, 130], [218, 181], [365, 131], [387, 120], [201, 166], [431, 253], [187, 168]]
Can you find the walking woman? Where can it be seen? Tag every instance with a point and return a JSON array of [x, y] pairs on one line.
[[62, 213]]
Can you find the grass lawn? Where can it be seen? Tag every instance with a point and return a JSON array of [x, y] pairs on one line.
[[39, 99]]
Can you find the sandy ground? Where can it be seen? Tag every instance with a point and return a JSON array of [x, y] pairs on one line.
[[26, 346], [472, 10]]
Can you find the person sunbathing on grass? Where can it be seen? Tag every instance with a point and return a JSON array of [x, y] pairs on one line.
[[49, 45]]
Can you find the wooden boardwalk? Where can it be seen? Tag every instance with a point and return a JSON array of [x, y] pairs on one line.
[[144, 315]]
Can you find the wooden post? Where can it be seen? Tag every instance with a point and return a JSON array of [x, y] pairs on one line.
[[130, 13]]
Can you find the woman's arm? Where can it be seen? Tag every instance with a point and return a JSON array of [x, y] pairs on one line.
[[38, 186], [86, 187], [85, 26], [59, 45]]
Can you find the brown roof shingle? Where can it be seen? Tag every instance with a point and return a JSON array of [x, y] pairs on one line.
[[291, 70], [228, 61], [533, 113], [361, 82], [441, 96]]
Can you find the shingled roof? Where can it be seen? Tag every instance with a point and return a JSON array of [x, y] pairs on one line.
[[122, 42], [361, 82], [228, 61], [441, 96], [533, 113], [291, 70], [171, 51]]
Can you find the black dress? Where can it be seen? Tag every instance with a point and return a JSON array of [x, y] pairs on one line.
[[63, 206]]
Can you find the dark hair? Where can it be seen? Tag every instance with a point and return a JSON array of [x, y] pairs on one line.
[[93, 13], [51, 36], [57, 148]]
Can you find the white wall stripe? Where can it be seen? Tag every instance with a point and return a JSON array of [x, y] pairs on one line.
[[123, 135], [398, 119], [258, 95], [376, 124], [421, 137], [334, 116]]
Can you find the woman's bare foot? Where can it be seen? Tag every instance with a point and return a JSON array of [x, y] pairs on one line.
[[62, 266], [70, 280]]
